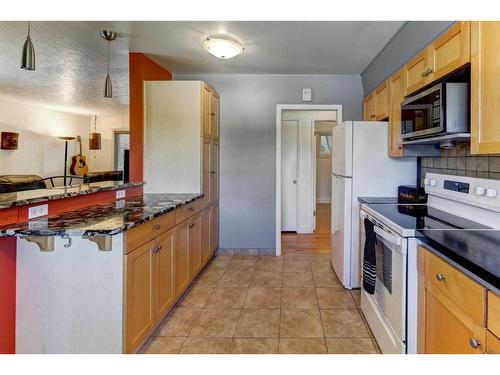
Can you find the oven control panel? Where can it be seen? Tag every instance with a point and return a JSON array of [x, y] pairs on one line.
[[478, 192]]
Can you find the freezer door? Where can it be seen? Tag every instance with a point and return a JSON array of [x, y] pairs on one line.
[[341, 228], [342, 149]]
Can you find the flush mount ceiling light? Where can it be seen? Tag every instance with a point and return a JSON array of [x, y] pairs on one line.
[[108, 36], [28, 56], [222, 47]]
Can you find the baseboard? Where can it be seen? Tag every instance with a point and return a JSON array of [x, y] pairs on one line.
[[247, 252]]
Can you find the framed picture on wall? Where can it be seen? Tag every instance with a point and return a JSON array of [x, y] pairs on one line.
[[324, 145], [9, 140]]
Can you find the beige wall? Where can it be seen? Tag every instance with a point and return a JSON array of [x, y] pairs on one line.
[[40, 151]]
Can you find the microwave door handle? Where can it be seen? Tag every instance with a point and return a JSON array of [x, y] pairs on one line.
[[386, 236]]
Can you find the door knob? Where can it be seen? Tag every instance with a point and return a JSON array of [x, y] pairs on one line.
[[295, 182], [439, 277]]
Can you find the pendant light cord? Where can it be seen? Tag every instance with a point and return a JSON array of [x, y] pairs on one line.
[[108, 57], [29, 28]]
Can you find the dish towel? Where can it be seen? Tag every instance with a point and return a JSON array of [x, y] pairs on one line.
[[369, 260]]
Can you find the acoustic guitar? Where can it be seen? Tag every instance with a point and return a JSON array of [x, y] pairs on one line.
[[79, 166]]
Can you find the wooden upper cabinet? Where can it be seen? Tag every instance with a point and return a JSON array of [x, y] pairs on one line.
[[163, 274], [485, 84], [449, 51], [415, 72], [206, 111], [396, 89], [207, 150], [214, 116], [369, 107], [139, 315], [214, 172], [382, 101]]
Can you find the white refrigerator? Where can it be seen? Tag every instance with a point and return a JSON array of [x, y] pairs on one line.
[[360, 167]]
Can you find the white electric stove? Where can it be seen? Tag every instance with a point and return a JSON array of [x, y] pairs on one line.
[[454, 203]]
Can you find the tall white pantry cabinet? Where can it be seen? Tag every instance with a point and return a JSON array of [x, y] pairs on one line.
[[181, 141]]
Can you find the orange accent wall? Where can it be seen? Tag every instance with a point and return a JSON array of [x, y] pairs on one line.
[[7, 295], [141, 68]]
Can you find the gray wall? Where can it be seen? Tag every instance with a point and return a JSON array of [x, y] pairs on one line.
[[248, 144], [410, 39]]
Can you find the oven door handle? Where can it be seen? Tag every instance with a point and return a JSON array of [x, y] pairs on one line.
[[386, 236]]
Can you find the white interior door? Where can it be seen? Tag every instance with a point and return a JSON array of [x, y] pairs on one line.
[[289, 175]]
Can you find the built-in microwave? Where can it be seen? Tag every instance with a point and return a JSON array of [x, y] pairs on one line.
[[440, 110]]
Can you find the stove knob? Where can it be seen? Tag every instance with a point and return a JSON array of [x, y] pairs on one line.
[[480, 190], [433, 182], [426, 181], [491, 193]]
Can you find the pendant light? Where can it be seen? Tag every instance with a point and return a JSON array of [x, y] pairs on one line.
[[95, 137], [28, 55], [108, 36]]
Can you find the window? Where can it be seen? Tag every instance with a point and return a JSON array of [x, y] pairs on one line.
[[324, 148]]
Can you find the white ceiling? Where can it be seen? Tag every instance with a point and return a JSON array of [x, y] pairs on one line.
[[71, 56]]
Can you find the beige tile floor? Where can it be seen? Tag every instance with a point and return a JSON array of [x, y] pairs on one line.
[[268, 305]]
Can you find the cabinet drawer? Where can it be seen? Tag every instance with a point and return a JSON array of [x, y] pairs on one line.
[[494, 313], [461, 289], [147, 231], [185, 212], [492, 343]]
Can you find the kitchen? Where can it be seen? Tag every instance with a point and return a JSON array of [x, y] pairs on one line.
[[180, 243]]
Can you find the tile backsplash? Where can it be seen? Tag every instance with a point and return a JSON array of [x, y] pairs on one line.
[[459, 162]]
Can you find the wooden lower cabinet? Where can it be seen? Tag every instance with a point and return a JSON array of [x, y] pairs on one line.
[[181, 257], [195, 245], [163, 274], [158, 272], [453, 310], [139, 317]]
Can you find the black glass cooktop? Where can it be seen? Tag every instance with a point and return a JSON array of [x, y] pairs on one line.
[[421, 216]]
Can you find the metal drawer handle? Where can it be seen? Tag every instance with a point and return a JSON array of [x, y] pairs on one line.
[[429, 71], [158, 248], [212, 172], [157, 226], [474, 343], [192, 225], [191, 208], [440, 277], [424, 74]]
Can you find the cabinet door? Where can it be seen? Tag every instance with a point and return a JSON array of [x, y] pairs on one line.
[[207, 165], [382, 101], [485, 83], [181, 257], [396, 88], [194, 245], [205, 235], [214, 116], [214, 231], [163, 274], [450, 51], [206, 100], [416, 71], [214, 172], [369, 108], [139, 317]]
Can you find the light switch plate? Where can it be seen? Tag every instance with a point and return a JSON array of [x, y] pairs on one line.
[[307, 95], [37, 211], [120, 194]]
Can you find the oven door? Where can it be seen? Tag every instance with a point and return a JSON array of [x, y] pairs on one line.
[[422, 115], [390, 285]]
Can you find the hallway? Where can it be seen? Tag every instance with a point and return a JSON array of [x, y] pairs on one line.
[[317, 243]]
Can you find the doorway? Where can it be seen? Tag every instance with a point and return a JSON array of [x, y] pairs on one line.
[[303, 179]]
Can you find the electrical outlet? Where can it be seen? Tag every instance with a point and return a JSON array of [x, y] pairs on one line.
[[37, 211], [120, 194]]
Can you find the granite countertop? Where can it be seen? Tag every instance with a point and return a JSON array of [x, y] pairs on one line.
[[477, 252], [8, 200], [378, 200], [102, 219]]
